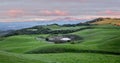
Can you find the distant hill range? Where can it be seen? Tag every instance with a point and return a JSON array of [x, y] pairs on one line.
[[4, 26], [46, 29], [19, 25]]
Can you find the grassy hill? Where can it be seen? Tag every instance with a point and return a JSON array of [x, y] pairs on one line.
[[6, 57], [115, 21], [100, 44]]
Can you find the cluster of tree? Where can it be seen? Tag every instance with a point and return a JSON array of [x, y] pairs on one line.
[[95, 20], [67, 31], [42, 30], [32, 30], [79, 24]]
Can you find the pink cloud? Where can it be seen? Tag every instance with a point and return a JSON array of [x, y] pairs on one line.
[[58, 12], [109, 12], [54, 13], [15, 12]]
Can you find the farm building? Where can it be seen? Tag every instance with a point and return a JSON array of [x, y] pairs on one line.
[[59, 39], [63, 38]]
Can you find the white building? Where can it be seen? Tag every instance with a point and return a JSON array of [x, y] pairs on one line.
[[65, 39]]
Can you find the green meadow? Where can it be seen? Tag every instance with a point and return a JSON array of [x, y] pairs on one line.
[[101, 44]]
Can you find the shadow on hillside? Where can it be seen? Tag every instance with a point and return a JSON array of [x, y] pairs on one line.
[[99, 52], [74, 51]]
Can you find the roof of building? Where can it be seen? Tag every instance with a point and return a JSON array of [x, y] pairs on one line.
[[65, 39]]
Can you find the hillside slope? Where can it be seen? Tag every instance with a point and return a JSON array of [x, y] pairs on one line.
[[6, 57], [115, 21], [101, 44]]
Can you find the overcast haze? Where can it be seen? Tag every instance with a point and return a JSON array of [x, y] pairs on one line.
[[26, 10]]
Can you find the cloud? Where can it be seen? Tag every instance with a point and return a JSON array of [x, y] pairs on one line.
[[54, 13], [15, 12], [109, 12], [71, 0]]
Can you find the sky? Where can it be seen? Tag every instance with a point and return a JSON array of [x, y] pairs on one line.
[[31, 10]]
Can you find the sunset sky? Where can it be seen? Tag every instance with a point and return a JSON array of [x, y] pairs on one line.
[[26, 10]]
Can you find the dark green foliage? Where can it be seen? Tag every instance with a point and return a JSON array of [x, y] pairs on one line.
[[95, 20], [79, 24], [64, 49], [67, 31], [42, 30]]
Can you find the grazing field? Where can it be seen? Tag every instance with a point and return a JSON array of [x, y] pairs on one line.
[[101, 44]]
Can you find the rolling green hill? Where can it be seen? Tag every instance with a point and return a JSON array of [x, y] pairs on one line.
[[100, 44], [6, 57]]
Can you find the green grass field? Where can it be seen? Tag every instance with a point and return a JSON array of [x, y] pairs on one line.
[[100, 45]]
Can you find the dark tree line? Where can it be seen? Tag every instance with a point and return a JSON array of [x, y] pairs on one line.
[[95, 20], [79, 24], [42, 30]]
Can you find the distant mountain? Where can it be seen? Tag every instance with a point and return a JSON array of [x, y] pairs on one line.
[[19, 25], [70, 19]]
